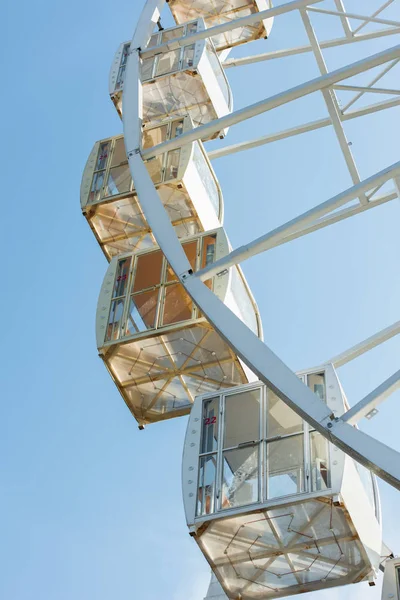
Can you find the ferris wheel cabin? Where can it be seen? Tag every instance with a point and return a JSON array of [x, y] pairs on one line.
[[188, 79], [159, 349], [185, 181], [274, 507], [215, 13]]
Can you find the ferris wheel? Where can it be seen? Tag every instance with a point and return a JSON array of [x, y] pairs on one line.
[[279, 484]]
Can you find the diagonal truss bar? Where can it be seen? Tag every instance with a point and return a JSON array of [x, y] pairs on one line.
[[299, 91], [265, 242], [311, 126], [332, 105], [372, 400], [345, 21], [360, 88], [248, 60], [375, 14], [366, 345], [371, 83], [227, 26], [347, 14], [336, 217]]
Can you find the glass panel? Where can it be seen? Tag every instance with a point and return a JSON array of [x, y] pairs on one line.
[[316, 383], [102, 156], [142, 310], [209, 438], [168, 63], [190, 249], [119, 181], [243, 300], [319, 462], [206, 485], [119, 153], [171, 169], [171, 34], [286, 466], [218, 72], [281, 420], [153, 40], [155, 168], [208, 250], [114, 320], [178, 305], [191, 28], [152, 137], [240, 477], [121, 278], [242, 418], [366, 480], [208, 178], [148, 270], [97, 184], [147, 68], [120, 78], [188, 57], [125, 53], [176, 128]]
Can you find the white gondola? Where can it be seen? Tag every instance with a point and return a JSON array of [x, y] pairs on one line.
[[215, 13], [274, 507], [185, 180], [160, 351], [187, 79], [391, 580]]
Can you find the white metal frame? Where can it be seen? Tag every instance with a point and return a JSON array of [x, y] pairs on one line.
[[382, 460]]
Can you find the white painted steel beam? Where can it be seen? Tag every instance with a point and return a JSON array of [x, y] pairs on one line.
[[366, 345], [311, 126], [227, 26], [345, 21], [147, 21], [355, 16], [375, 14], [360, 88], [364, 407], [335, 217], [370, 84], [332, 105], [267, 241], [299, 91], [249, 60]]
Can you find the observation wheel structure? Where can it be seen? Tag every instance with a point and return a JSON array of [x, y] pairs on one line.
[[272, 491]]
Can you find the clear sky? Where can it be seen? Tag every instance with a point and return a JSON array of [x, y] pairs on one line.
[[90, 506]]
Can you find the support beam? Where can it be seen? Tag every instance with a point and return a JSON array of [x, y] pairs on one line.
[[332, 105], [366, 345], [370, 84], [311, 126], [375, 14], [249, 60], [345, 21], [374, 398], [265, 242], [227, 26], [299, 91], [360, 88], [336, 217], [347, 14]]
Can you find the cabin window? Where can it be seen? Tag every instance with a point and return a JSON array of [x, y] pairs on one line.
[[258, 449], [156, 297]]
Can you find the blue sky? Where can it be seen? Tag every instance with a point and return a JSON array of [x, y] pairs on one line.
[[91, 507]]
